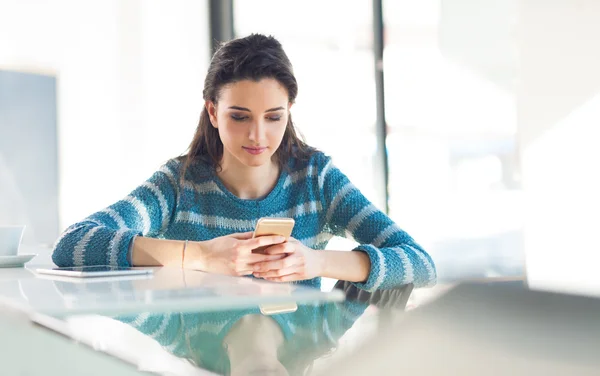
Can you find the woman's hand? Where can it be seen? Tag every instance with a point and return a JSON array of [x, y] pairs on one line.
[[230, 254], [299, 263]]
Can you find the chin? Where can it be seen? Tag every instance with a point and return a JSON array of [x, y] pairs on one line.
[[255, 161]]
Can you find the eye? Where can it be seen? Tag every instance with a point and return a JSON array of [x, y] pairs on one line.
[[274, 118], [237, 117]]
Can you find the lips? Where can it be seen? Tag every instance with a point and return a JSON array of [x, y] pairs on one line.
[[254, 150]]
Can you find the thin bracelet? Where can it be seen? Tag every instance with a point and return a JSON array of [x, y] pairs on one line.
[[183, 253]]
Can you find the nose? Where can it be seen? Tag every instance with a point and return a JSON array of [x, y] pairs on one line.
[[256, 132]]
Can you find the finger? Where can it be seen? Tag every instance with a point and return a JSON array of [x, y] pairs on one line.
[[285, 262], [254, 258], [279, 249], [262, 241], [277, 272], [286, 278], [242, 235], [245, 265]]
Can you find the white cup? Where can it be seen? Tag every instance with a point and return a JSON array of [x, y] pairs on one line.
[[10, 239]]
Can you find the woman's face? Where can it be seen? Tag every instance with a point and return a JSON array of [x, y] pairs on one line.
[[251, 117]]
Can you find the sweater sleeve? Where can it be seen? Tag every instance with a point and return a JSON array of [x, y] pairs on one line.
[[104, 237], [396, 259]]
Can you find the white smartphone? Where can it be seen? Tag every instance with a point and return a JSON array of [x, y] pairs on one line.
[[94, 271], [282, 227], [273, 226]]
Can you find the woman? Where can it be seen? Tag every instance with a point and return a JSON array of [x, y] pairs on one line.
[[246, 162]]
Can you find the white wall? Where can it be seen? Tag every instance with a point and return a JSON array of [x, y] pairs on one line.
[[559, 126], [130, 76]]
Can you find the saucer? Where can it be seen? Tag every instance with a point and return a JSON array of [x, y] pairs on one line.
[[16, 261]]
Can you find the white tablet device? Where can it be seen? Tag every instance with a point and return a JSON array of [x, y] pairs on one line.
[[94, 271]]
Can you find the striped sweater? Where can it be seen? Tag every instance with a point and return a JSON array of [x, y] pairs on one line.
[[197, 207]]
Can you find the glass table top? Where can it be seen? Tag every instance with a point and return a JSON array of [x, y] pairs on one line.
[[472, 329]]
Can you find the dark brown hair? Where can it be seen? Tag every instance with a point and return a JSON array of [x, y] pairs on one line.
[[254, 57]]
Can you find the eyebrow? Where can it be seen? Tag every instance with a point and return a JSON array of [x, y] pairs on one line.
[[248, 110]]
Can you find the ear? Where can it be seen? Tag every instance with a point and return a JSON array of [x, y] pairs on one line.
[[212, 112]]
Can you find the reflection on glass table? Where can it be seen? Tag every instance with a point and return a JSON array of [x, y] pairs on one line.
[[243, 341]]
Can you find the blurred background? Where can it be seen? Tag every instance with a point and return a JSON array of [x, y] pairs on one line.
[[473, 123]]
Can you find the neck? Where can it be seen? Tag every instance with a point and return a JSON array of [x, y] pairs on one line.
[[248, 182]]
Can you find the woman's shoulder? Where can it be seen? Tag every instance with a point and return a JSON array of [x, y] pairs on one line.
[[173, 163], [316, 160], [194, 170]]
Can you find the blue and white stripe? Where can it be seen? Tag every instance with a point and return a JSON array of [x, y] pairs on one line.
[[310, 207], [212, 221], [81, 246]]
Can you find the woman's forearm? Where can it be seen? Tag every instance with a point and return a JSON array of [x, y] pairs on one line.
[[353, 266], [156, 252]]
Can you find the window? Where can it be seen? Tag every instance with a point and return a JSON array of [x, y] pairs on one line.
[[454, 182], [334, 69]]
